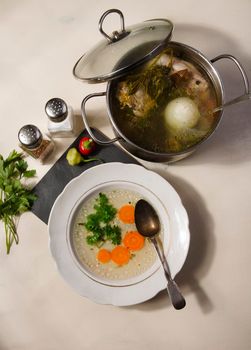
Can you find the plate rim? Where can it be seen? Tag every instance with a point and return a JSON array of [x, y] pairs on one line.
[[154, 283]]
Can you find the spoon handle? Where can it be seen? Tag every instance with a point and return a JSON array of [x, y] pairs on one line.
[[175, 295]]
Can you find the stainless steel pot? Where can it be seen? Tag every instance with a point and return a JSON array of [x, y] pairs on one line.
[[188, 53]]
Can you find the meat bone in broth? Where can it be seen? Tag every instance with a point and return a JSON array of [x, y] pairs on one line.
[[166, 106]]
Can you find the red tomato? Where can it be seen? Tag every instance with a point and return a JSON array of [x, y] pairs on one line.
[[86, 146]]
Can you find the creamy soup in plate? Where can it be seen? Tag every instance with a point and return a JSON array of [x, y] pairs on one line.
[[106, 242]]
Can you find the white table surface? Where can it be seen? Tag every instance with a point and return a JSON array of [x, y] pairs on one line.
[[40, 42]]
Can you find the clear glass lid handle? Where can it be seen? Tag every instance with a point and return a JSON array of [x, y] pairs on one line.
[[115, 35]]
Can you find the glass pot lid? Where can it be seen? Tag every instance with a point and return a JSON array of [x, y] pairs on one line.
[[123, 50]]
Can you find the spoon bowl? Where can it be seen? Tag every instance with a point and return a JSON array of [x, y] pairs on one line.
[[146, 219], [148, 225]]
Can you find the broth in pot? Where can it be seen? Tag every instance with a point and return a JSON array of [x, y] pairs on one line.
[[166, 106]]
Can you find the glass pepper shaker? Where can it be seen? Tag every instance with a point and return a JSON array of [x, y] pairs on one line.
[[34, 143], [61, 121]]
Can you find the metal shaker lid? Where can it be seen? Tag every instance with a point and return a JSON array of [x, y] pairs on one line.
[[56, 109], [30, 136]]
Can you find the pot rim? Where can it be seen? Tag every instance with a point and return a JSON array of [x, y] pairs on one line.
[[219, 97]]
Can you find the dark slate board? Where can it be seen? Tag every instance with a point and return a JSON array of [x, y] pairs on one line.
[[55, 180]]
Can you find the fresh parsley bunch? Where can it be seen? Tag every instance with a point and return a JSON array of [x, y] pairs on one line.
[[15, 198]]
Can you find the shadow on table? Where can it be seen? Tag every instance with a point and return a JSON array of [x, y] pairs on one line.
[[229, 145], [231, 142], [201, 251]]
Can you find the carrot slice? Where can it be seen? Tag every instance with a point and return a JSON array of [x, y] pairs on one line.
[[133, 240], [120, 255], [126, 214], [104, 256]]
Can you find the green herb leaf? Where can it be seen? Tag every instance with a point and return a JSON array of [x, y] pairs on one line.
[[22, 166], [30, 173], [99, 223], [15, 198], [113, 233]]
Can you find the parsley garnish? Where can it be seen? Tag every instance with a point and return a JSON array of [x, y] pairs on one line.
[[15, 198], [99, 223]]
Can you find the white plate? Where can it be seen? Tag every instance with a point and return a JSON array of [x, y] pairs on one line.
[[172, 215]]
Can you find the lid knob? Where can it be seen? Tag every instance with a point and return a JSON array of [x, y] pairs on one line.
[[116, 35]]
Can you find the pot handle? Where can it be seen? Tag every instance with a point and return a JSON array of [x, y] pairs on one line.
[[99, 142], [246, 94]]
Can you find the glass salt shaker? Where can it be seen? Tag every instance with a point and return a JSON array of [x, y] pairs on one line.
[[34, 143], [61, 120]]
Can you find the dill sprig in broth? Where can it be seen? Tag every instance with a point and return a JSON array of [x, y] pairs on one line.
[[154, 81]]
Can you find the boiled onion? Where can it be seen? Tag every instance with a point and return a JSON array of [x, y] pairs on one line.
[[181, 113]]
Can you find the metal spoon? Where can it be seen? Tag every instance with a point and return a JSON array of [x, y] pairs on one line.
[[148, 225]]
